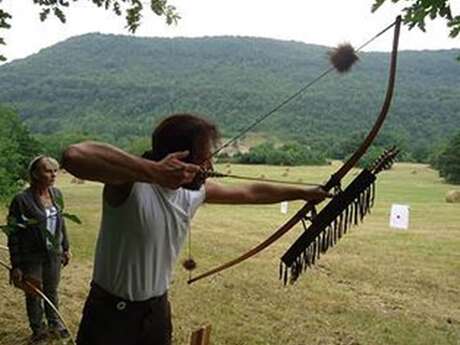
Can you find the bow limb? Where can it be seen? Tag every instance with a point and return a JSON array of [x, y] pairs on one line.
[[351, 162], [273, 238], [40, 293], [335, 179], [51, 305]]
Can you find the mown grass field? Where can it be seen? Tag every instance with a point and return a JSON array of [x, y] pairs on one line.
[[378, 286]]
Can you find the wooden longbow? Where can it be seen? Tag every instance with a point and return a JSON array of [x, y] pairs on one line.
[[335, 179]]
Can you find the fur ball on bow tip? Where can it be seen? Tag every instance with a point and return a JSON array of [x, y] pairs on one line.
[[343, 57], [189, 264]]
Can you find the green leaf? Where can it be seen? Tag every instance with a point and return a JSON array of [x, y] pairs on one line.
[[32, 221], [377, 4], [10, 227], [72, 217], [60, 201], [7, 229], [50, 238], [59, 14], [44, 14]]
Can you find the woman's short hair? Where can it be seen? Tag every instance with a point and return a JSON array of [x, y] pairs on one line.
[[182, 132], [35, 164]]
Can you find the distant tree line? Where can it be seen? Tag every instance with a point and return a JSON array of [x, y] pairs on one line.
[[18, 146], [287, 155]]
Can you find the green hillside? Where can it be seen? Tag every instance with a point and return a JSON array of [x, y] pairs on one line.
[[114, 87]]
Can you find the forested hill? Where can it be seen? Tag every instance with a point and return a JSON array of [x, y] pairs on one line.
[[115, 85]]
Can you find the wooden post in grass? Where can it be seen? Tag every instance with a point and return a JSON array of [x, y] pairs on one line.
[[201, 336]]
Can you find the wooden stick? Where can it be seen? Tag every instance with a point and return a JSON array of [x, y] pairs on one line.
[[201, 336]]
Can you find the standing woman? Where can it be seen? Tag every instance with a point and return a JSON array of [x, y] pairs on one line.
[[38, 244]]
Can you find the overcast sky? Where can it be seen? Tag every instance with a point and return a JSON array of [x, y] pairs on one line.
[[325, 22]]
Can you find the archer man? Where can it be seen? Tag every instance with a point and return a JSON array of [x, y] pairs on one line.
[[147, 207]]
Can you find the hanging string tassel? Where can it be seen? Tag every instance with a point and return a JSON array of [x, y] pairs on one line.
[[189, 264], [356, 206], [346, 209]]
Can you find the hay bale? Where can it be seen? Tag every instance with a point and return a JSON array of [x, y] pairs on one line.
[[453, 196], [286, 173]]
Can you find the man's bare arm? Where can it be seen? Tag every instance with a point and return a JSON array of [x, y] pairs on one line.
[[260, 193], [110, 165]]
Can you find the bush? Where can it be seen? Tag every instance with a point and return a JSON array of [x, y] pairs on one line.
[[448, 161], [17, 148]]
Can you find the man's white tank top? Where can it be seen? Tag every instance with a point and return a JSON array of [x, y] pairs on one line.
[[139, 241]]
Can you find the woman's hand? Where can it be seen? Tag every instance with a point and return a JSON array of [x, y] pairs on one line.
[[28, 284], [65, 259], [16, 277]]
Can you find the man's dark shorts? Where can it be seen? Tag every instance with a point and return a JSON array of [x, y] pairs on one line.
[[110, 320]]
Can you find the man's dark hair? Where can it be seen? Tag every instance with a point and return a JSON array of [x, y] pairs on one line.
[[181, 132]]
